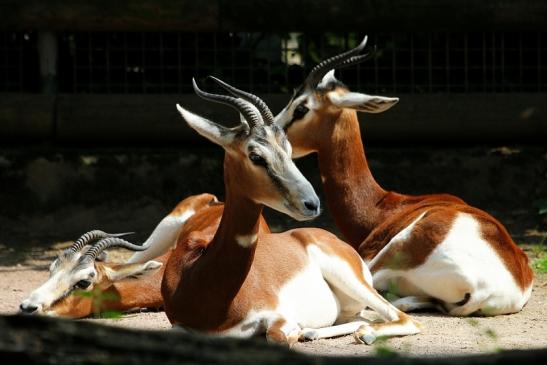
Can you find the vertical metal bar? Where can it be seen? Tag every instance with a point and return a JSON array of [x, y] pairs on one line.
[[429, 63], [143, 66], [269, 75], [466, 61], [125, 65], [20, 73], [447, 63], [394, 64], [107, 57], [179, 64], [376, 89], [233, 56], [215, 53], [538, 49], [412, 69], [162, 64], [520, 63], [90, 61], [484, 82], [502, 38], [251, 52], [494, 62]]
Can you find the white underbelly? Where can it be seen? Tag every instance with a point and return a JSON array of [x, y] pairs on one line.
[[307, 299]]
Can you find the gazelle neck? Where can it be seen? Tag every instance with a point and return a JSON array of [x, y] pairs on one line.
[[234, 243], [350, 188]]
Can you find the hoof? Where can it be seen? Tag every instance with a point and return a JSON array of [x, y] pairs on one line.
[[368, 338], [365, 335], [309, 334]]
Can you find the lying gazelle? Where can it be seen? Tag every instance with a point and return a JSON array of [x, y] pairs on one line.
[[431, 248], [232, 278], [81, 267]]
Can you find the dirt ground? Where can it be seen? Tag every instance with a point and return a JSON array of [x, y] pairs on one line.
[[50, 196], [22, 270]]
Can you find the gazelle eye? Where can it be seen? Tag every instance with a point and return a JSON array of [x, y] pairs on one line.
[[257, 159], [82, 284], [299, 112]]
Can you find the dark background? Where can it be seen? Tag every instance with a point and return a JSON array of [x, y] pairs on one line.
[[90, 138]]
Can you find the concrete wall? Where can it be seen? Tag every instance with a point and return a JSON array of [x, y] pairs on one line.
[[274, 15], [153, 119]]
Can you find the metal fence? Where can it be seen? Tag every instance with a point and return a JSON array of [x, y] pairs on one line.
[[161, 63]]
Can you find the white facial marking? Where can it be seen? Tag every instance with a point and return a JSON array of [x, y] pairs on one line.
[[246, 240]]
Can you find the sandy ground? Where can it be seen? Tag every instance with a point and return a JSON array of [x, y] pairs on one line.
[[23, 270]]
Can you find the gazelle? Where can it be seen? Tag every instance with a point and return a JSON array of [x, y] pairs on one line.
[[233, 278], [131, 285], [431, 248]]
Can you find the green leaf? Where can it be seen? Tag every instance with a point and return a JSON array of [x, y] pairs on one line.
[[540, 265], [385, 352], [83, 293], [111, 314]]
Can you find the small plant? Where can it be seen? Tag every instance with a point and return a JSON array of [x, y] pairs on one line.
[[383, 350], [541, 204], [488, 338], [98, 297], [539, 257]]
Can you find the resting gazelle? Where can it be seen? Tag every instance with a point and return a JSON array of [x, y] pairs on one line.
[[233, 278]]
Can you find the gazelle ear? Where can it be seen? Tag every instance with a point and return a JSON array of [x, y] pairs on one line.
[[362, 102], [131, 271], [212, 131], [327, 79]]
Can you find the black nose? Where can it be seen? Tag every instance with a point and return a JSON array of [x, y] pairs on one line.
[[28, 308], [311, 205]]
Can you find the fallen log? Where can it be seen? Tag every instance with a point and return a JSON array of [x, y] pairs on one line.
[[44, 340]]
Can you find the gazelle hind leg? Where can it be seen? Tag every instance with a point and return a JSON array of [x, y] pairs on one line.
[[340, 275]]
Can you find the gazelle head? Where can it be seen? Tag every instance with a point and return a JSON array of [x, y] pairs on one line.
[[318, 103], [79, 268], [258, 162]]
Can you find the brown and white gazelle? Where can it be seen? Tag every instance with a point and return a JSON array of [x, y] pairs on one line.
[[431, 248], [235, 279], [80, 267]]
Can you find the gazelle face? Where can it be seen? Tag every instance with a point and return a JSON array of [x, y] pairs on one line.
[[72, 271], [258, 160], [262, 159], [312, 112]]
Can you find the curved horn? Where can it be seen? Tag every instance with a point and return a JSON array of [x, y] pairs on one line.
[[241, 106], [264, 110], [356, 59], [105, 243], [90, 236], [317, 73]]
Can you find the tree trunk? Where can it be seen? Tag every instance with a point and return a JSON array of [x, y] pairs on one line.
[[44, 340]]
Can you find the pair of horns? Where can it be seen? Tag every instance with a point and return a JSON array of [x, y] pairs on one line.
[[105, 240], [345, 59], [242, 103]]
